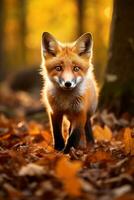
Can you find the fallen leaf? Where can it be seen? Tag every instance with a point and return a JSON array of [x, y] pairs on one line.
[[47, 136], [121, 190], [12, 191], [101, 156], [67, 172], [102, 134], [34, 128], [31, 170], [129, 141], [128, 196]]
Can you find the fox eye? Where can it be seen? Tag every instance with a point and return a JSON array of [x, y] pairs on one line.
[[76, 68], [58, 68]]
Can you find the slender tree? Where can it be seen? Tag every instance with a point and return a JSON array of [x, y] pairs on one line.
[[118, 90], [2, 22], [80, 16], [22, 8]]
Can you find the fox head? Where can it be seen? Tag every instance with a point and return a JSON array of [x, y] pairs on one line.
[[66, 64]]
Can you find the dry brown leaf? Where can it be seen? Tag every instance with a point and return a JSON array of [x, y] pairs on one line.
[[129, 141], [100, 156], [5, 137], [128, 196], [12, 191], [102, 134], [31, 170], [119, 191], [67, 172], [47, 136]]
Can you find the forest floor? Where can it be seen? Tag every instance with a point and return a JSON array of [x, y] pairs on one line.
[[30, 169]]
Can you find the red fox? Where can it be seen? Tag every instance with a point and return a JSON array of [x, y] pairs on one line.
[[69, 88]]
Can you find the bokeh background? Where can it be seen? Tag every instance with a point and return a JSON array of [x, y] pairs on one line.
[[23, 21]]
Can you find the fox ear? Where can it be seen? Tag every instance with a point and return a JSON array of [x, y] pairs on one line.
[[49, 44], [84, 44]]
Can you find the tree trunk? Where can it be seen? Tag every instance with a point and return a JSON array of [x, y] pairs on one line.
[[118, 90], [2, 20], [22, 11], [80, 17]]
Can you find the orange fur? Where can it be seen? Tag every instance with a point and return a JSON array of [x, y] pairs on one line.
[[81, 101]]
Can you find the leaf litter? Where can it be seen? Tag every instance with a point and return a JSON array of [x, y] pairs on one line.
[[31, 169]]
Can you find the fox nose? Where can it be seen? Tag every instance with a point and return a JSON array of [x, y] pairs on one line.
[[68, 84]]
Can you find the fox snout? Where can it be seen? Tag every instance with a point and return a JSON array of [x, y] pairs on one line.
[[69, 83]]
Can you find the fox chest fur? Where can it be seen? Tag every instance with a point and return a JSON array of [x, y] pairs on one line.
[[67, 102]]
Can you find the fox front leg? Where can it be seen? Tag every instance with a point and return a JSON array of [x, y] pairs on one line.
[[76, 132], [56, 126], [88, 131]]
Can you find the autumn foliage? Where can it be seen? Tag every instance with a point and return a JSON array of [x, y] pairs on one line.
[[31, 169]]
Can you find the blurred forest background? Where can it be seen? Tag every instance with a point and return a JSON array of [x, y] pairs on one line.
[[110, 22], [22, 23]]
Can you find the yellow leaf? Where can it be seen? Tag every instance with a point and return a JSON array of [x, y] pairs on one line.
[[129, 141], [108, 133], [102, 134], [34, 128], [67, 172]]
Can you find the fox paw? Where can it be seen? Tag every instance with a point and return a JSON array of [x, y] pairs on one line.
[[59, 146]]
